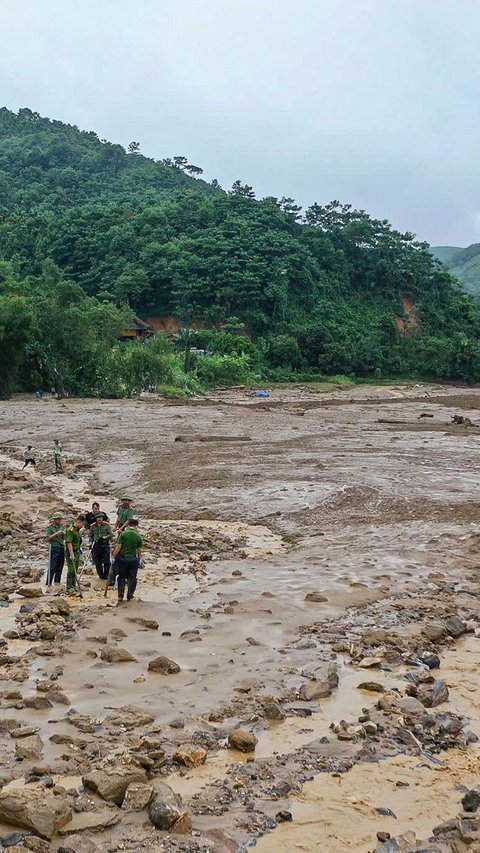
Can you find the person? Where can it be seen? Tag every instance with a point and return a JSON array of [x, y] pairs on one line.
[[128, 552], [90, 516], [55, 534], [57, 455], [124, 513], [101, 535], [29, 457], [73, 541]]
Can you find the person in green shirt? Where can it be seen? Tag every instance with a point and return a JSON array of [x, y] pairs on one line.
[[124, 512], [57, 454], [73, 541], [127, 554], [55, 534], [101, 534]]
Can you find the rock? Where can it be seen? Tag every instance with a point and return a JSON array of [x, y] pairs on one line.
[[129, 717], [242, 740], [431, 695], [273, 711], [113, 654], [190, 755], [430, 659], [434, 631], [166, 808], [383, 836], [118, 633], [471, 800], [314, 690], [407, 705], [183, 825], [316, 596], [368, 663], [29, 748], [455, 627], [370, 728], [12, 839], [371, 686], [137, 797], [35, 809], [39, 703], [38, 845], [78, 844], [30, 591], [163, 665], [151, 624], [111, 784], [221, 841]]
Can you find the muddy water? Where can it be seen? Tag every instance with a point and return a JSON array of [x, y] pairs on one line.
[[338, 813], [325, 499]]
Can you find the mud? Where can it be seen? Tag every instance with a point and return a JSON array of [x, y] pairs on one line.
[[275, 557]]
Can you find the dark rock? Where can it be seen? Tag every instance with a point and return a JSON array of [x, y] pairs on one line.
[[431, 695], [383, 836], [222, 842], [371, 686], [455, 627], [12, 839], [166, 807], [273, 711], [471, 800], [283, 816], [430, 659]]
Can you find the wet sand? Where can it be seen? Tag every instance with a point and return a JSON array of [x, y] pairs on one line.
[[324, 497]]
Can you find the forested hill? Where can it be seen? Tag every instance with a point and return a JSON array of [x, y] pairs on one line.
[[332, 290], [464, 264]]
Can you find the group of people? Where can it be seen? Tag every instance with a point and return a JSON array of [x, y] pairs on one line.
[[29, 456], [66, 543]]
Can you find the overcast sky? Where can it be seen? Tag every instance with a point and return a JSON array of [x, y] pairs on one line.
[[374, 102]]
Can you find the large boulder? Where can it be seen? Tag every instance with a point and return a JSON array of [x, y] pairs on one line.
[[163, 665], [78, 844], [314, 690], [189, 755], [29, 748], [137, 797], [33, 809], [111, 783], [166, 810], [433, 694]]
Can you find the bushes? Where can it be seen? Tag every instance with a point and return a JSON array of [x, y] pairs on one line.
[[231, 369]]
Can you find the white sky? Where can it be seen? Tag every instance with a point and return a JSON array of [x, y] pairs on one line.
[[374, 102]]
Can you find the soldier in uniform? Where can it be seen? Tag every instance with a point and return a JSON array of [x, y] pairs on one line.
[[55, 535]]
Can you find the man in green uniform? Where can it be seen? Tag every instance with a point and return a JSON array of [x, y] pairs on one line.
[[128, 552], [101, 534], [57, 455], [73, 541], [124, 512], [55, 534]]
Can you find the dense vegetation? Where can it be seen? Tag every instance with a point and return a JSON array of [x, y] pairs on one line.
[[91, 232], [464, 264]]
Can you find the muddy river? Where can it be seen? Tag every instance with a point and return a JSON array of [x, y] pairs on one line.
[[283, 537]]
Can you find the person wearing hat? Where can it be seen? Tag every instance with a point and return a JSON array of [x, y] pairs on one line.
[[101, 534], [55, 534], [124, 513], [127, 553], [57, 454], [73, 541]]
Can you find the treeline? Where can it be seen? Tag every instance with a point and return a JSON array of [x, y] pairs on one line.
[[277, 291]]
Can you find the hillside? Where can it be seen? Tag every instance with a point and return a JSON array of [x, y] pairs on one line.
[[464, 264], [444, 253], [89, 229]]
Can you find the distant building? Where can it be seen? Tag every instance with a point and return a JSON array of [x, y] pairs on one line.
[[137, 329]]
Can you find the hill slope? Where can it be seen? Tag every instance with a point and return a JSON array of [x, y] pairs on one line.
[[338, 292], [444, 253], [464, 264]]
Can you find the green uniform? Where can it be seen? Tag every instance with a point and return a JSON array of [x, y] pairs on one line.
[[57, 454], [124, 514], [131, 541], [58, 541], [72, 536], [101, 531]]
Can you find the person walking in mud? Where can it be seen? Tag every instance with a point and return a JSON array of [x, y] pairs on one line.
[[102, 535], [57, 455], [124, 513], [128, 553], [29, 457], [55, 534], [73, 542]]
